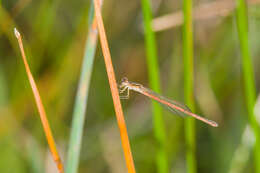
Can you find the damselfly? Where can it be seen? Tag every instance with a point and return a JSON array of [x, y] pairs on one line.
[[174, 106]]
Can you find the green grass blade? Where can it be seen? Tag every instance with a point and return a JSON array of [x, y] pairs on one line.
[[81, 99], [153, 72], [248, 75], [188, 84]]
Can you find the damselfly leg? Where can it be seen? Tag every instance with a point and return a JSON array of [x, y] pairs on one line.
[[122, 90]]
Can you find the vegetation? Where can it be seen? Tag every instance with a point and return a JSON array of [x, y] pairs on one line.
[[200, 54]]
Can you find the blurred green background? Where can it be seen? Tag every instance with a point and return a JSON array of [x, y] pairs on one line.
[[54, 34]]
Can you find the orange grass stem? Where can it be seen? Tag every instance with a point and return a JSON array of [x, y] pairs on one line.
[[114, 89], [40, 107]]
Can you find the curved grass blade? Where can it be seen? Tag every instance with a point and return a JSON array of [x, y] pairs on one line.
[[81, 97]]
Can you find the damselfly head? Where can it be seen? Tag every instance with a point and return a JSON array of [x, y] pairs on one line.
[[124, 82], [124, 79]]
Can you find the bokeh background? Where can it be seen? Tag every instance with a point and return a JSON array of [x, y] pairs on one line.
[[54, 34]]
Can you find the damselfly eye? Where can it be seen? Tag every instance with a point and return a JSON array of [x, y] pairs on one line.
[[124, 79]]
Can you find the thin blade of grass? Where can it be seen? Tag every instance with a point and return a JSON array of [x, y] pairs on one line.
[[188, 85], [154, 79], [40, 107], [81, 97], [248, 75], [114, 90]]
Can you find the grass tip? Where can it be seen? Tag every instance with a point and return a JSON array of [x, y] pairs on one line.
[[17, 33]]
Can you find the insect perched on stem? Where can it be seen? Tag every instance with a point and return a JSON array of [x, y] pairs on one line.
[[173, 106]]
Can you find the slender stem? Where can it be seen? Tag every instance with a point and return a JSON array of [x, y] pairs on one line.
[[114, 90], [81, 97], [188, 84], [40, 107], [204, 11], [248, 75], [153, 72]]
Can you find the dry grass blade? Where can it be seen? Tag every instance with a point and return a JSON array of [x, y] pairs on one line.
[[114, 89], [204, 11], [40, 107]]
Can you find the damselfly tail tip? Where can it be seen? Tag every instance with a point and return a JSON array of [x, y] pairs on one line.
[[213, 123]]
